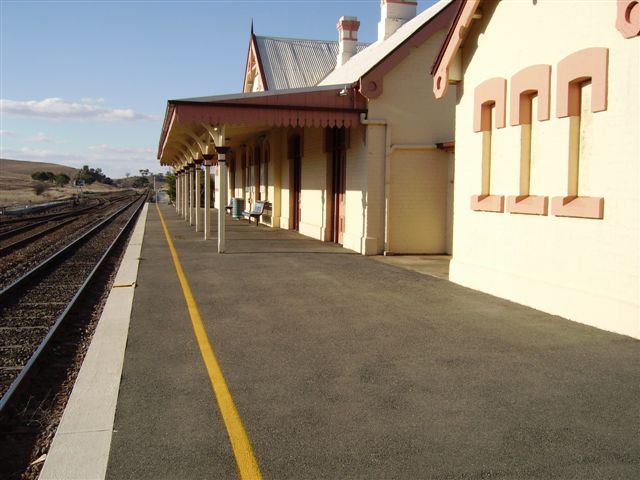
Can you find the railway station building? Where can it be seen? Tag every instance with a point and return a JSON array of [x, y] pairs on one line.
[[547, 129], [343, 140], [354, 144]]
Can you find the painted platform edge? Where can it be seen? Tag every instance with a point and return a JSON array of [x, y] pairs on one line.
[[80, 448]]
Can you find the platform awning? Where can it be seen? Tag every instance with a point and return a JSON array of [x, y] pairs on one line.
[[332, 106]]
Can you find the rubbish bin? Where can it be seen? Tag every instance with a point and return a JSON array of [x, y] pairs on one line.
[[237, 207]]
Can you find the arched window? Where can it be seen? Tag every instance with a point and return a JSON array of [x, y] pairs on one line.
[[588, 66], [489, 96], [530, 82]]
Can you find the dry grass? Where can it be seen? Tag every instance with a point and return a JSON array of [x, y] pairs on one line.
[[16, 185], [23, 170]]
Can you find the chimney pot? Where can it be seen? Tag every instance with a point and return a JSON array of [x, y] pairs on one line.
[[347, 38], [394, 14]]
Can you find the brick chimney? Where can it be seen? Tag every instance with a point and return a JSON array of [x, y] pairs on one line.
[[394, 14], [348, 38]]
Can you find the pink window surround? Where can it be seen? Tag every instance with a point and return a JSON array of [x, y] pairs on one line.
[[580, 207], [628, 18], [490, 93], [576, 69], [528, 204], [487, 203], [527, 83], [573, 71], [530, 81]]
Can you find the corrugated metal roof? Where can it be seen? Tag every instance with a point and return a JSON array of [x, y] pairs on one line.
[[296, 63], [361, 63]]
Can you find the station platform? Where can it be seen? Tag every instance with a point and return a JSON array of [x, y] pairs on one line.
[[287, 357]]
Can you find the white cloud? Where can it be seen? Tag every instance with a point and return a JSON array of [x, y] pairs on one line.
[[58, 108], [40, 154], [104, 148], [8, 133], [41, 138], [114, 161], [92, 100]]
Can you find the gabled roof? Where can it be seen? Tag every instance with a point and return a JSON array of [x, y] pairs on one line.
[[296, 63], [384, 55]]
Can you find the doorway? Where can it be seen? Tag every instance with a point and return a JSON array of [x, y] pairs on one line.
[[337, 146], [295, 154]]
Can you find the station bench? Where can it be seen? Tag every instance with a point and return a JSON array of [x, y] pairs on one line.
[[257, 211]]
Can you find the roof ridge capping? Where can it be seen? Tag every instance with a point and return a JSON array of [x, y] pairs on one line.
[[295, 39]]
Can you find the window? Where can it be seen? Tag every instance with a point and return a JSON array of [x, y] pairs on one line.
[[533, 81], [489, 96], [574, 72]]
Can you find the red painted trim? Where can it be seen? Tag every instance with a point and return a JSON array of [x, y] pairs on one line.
[[166, 126], [451, 45], [253, 49], [447, 146]]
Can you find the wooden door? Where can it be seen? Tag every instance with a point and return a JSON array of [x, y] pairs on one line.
[[297, 189], [337, 147], [339, 196]]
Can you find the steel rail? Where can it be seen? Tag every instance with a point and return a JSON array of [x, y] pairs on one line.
[[24, 372], [101, 203], [37, 221], [23, 228], [32, 238]]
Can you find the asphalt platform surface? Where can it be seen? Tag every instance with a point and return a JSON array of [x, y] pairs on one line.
[[345, 367]]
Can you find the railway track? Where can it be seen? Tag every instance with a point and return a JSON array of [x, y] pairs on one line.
[[12, 225], [33, 307], [33, 239]]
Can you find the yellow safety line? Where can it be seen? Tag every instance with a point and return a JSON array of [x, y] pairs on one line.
[[245, 459]]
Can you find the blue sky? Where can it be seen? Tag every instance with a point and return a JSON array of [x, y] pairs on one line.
[[87, 82]]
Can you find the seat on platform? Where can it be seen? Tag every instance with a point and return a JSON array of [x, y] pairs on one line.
[[256, 212]]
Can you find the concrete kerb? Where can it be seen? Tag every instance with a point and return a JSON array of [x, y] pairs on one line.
[[81, 445]]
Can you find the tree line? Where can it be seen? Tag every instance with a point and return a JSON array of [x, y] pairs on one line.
[[85, 175]]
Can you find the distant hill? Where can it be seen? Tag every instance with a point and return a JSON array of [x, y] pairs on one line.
[[17, 186], [21, 169]]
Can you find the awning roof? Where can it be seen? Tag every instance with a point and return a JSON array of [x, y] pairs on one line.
[[302, 107]]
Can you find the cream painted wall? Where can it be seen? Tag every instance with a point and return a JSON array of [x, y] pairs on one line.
[[418, 204], [277, 153], [407, 102], [582, 269], [363, 226], [419, 209], [363, 230], [314, 185]]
